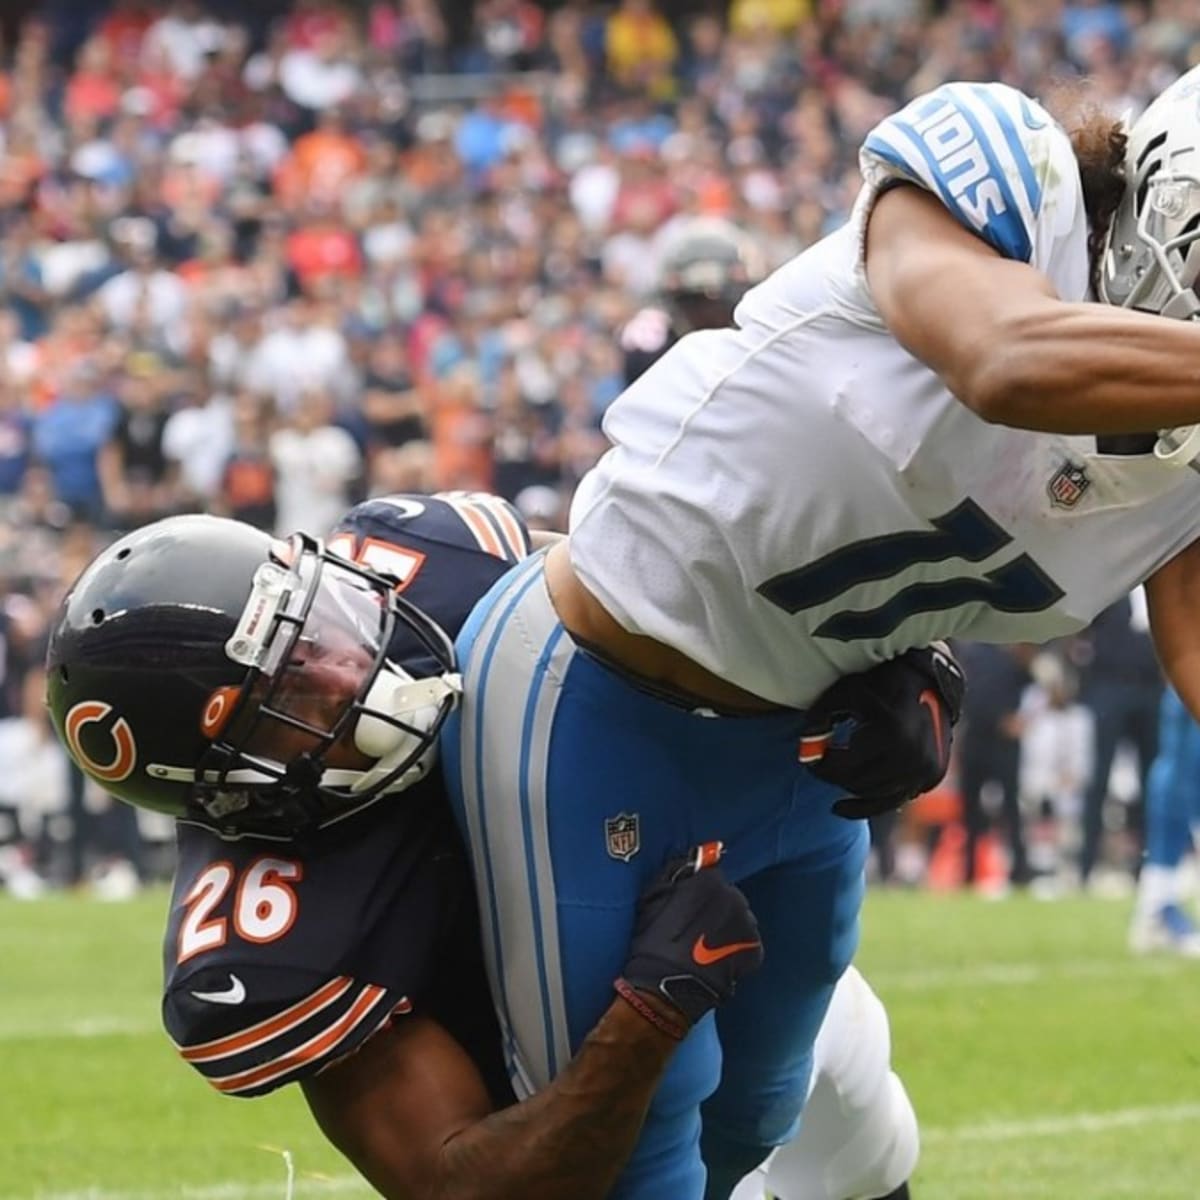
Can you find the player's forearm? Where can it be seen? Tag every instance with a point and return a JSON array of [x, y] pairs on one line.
[[570, 1140], [1086, 368]]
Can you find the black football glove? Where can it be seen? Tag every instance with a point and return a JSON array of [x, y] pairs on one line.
[[695, 935], [884, 734]]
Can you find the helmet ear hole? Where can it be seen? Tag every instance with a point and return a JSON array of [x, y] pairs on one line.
[[63, 674], [123, 554], [97, 616]]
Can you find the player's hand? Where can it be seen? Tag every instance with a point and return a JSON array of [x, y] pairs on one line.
[[695, 935], [885, 734]]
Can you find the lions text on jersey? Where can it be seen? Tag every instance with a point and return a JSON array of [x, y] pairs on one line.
[[280, 959], [799, 498]]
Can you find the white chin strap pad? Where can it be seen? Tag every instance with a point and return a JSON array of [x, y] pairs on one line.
[[416, 702], [1179, 447]]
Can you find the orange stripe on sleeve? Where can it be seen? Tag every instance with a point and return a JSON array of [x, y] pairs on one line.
[[478, 524], [315, 1048], [235, 1043], [514, 533]]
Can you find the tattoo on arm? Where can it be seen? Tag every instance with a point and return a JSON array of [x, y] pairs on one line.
[[570, 1140]]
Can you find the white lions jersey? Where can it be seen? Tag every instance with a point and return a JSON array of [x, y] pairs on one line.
[[799, 498]]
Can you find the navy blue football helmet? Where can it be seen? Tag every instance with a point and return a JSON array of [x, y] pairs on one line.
[[200, 668]]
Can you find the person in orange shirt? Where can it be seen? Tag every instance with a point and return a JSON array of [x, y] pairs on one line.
[[323, 161], [461, 432]]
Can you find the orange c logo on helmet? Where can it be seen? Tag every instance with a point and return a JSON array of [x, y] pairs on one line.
[[217, 710], [90, 712]]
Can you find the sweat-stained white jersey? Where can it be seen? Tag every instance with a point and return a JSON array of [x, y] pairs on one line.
[[800, 498]]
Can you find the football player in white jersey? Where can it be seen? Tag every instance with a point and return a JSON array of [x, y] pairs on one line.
[[923, 426], [860, 1130]]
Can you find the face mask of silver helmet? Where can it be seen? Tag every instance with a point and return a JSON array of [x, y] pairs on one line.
[[1152, 252], [203, 669]]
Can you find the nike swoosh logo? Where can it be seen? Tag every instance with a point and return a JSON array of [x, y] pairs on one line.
[[705, 955], [929, 698], [235, 993]]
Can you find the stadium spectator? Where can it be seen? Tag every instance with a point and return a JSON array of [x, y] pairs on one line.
[[317, 466], [68, 435], [198, 439], [138, 478], [1122, 685], [393, 410], [641, 48], [247, 486], [260, 194], [21, 286], [16, 427], [322, 162], [33, 784], [146, 299], [304, 349], [989, 752], [1057, 736]]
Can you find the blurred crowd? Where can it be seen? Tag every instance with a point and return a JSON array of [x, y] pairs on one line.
[[267, 259], [1047, 787]]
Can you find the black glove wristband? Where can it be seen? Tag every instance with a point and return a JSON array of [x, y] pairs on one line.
[[694, 938], [629, 994]]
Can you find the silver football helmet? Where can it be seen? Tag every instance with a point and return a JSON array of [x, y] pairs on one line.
[[1151, 258], [1152, 251]]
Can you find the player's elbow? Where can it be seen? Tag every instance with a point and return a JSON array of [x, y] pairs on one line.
[[1007, 379], [990, 387]]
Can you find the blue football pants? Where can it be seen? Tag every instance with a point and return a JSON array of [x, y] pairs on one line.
[[572, 787]]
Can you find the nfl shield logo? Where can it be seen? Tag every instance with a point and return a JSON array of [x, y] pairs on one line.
[[623, 836], [1069, 483]]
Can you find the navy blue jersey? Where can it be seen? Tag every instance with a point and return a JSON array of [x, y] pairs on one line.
[[281, 959]]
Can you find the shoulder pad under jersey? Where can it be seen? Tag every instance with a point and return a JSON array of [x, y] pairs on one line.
[[466, 520], [994, 157], [445, 551]]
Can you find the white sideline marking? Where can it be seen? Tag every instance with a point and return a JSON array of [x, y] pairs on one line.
[[230, 1190], [1015, 974], [991, 1131], [86, 1027], [1006, 1131]]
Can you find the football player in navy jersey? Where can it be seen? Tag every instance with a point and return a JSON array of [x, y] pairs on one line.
[[281, 701]]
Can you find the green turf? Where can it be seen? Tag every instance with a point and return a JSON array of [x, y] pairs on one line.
[[1044, 1062]]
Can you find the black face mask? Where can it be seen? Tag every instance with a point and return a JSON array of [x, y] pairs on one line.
[[1126, 443]]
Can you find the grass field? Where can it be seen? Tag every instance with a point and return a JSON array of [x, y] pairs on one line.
[[1043, 1061]]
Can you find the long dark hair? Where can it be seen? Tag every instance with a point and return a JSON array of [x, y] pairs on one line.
[[1099, 143]]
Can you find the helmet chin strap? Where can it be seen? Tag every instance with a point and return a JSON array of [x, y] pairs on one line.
[[419, 703], [416, 702], [1179, 447]]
